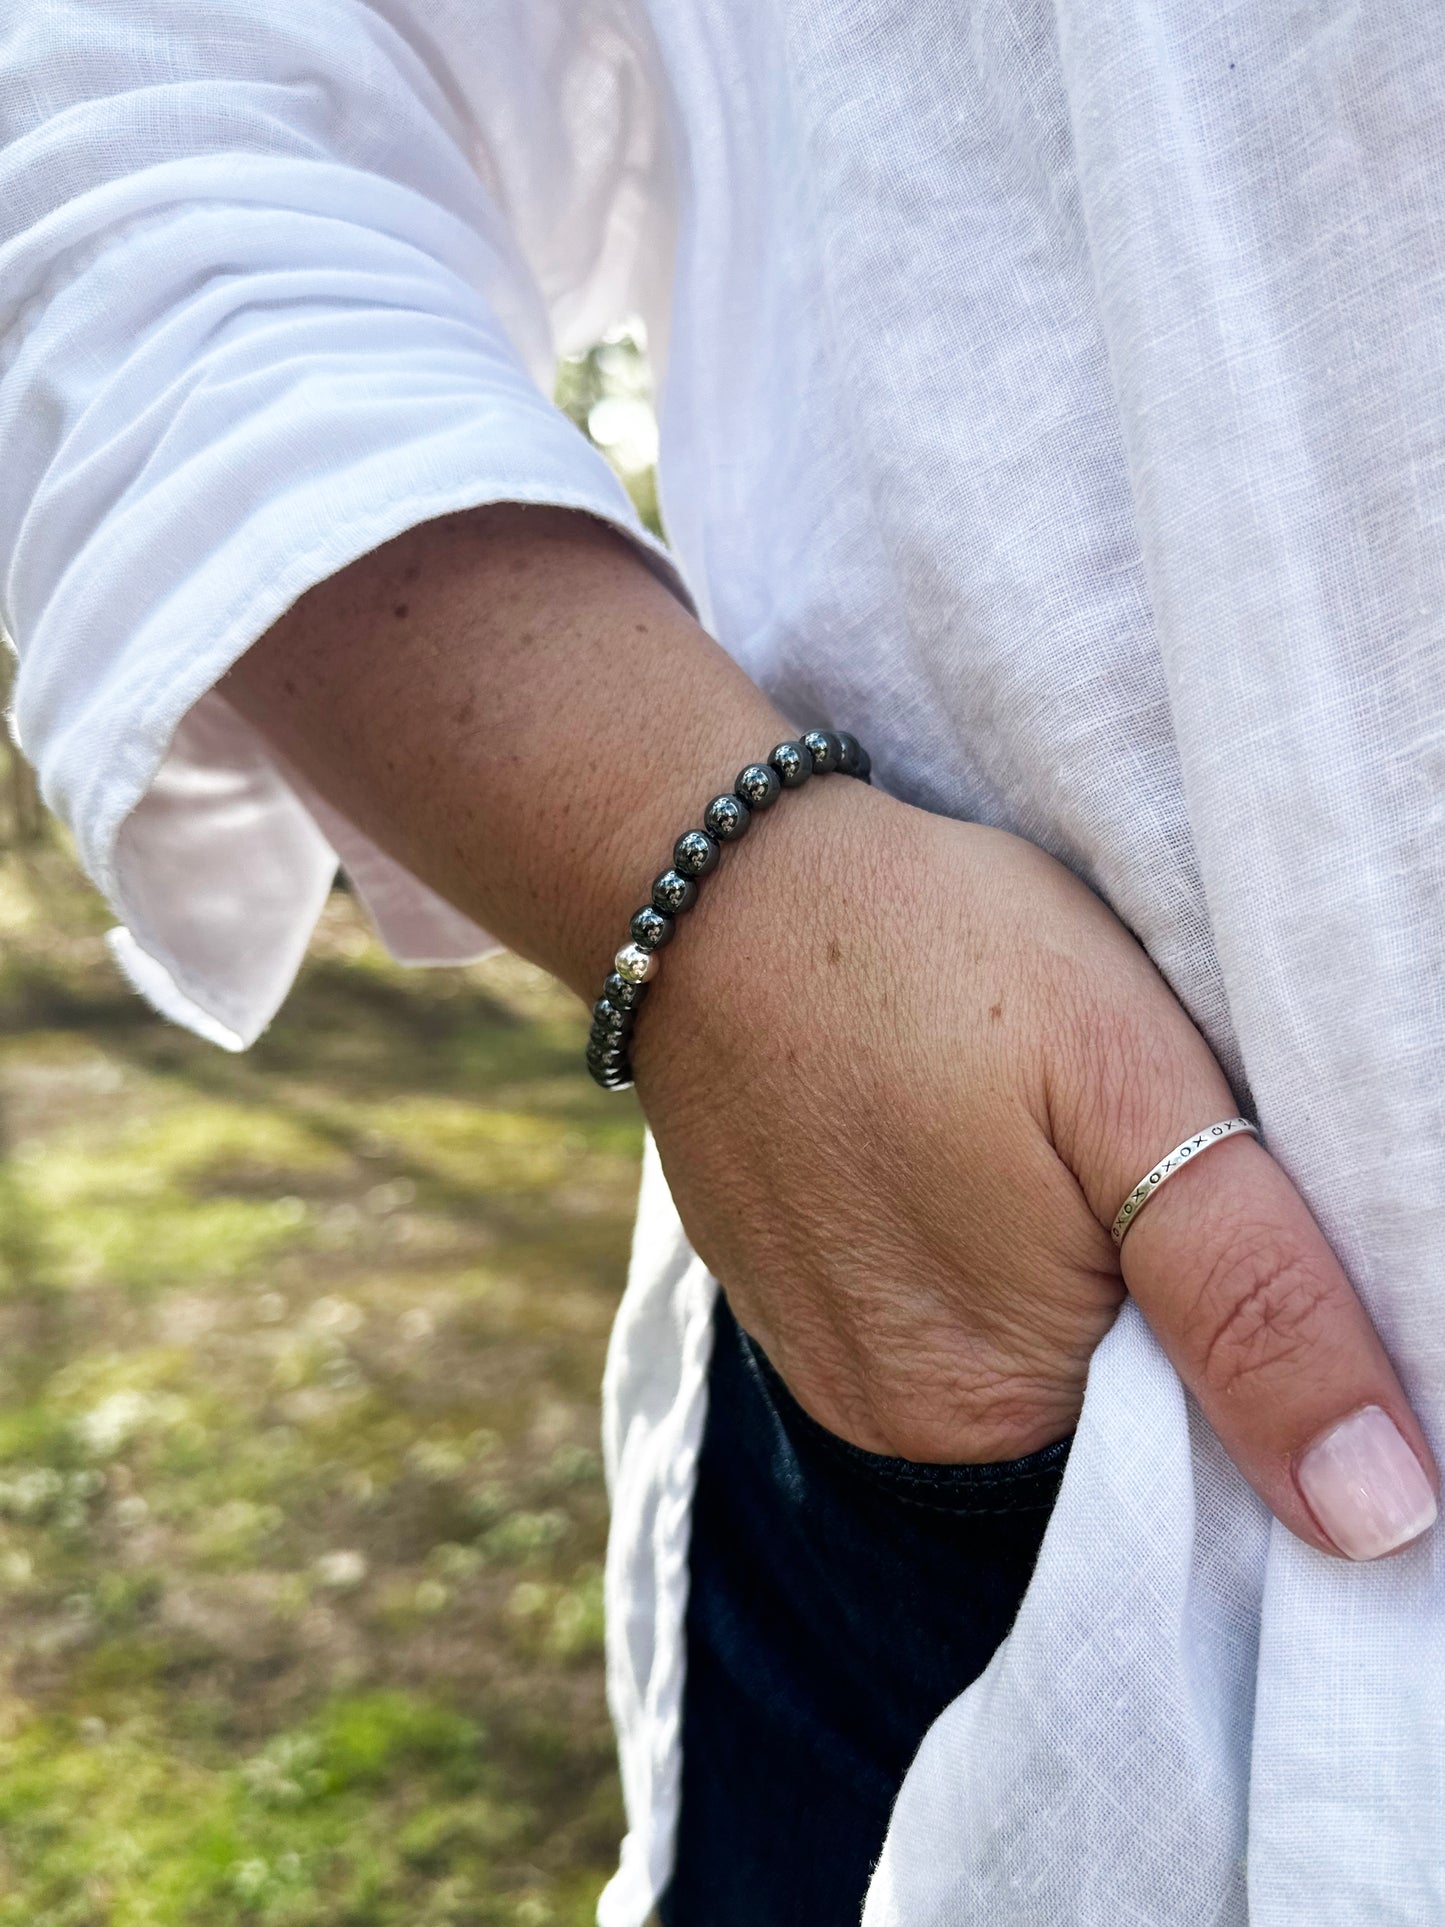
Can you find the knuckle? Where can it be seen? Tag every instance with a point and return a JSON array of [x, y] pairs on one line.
[[1259, 1306], [1090, 1052], [1122, 1075]]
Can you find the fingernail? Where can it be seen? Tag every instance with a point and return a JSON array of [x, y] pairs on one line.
[[1365, 1486]]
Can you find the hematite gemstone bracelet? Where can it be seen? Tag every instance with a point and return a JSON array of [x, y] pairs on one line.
[[822, 752]]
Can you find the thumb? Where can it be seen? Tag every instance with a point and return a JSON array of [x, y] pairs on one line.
[[1256, 1314]]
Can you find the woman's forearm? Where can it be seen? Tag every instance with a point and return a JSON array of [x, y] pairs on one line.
[[512, 704]]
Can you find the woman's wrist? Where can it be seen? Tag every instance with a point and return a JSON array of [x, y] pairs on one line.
[[774, 918], [726, 821]]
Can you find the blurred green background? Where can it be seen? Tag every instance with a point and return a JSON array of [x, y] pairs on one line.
[[301, 1504]]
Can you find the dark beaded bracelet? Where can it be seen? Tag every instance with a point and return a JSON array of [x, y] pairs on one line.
[[694, 856]]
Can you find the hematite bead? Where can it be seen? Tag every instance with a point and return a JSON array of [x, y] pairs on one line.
[[651, 928], [694, 853], [635, 964], [726, 818], [674, 893], [758, 786], [855, 760], [623, 995], [825, 749], [607, 1016], [793, 763], [602, 1059]]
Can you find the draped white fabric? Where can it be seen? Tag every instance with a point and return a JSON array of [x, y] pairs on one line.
[[1055, 395]]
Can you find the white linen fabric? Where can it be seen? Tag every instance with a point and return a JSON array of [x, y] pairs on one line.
[[1054, 395]]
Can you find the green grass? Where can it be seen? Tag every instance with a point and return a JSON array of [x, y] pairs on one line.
[[301, 1509]]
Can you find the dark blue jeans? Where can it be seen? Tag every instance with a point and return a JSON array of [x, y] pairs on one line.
[[839, 1601]]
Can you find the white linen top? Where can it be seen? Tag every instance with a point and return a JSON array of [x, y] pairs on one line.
[[1054, 395]]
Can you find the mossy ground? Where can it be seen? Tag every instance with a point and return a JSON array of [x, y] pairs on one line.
[[301, 1508]]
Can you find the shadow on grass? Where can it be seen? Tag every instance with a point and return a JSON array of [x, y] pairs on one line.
[[301, 1514]]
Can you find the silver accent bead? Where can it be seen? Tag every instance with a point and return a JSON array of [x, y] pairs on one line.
[[634, 964]]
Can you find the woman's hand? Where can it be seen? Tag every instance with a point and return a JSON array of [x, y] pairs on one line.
[[902, 1072]]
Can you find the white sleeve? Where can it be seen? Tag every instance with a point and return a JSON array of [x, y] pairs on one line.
[[277, 282]]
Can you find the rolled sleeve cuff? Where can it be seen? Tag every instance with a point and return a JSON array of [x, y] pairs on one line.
[[216, 860]]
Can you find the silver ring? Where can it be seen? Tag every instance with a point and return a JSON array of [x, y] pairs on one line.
[[1176, 1161]]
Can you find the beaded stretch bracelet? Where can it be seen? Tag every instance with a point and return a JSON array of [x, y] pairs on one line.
[[820, 753]]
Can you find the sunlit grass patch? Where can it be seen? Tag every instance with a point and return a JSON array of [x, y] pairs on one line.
[[301, 1509], [380, 1807]]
